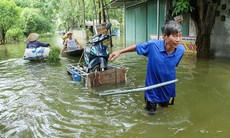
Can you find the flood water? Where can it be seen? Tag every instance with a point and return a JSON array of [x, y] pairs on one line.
[[39, 99]]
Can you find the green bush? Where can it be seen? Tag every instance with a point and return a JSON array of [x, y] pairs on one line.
[[54, 54], [34, 21], [14, 35]]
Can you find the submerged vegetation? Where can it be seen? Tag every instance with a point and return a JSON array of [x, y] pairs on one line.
[[54, 55]]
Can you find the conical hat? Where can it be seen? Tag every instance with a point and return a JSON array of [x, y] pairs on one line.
[[32, 37], [69, 32]]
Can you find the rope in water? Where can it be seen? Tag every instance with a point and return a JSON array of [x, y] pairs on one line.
[[138, 89]]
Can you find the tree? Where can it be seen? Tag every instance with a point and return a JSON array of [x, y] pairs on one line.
[[95, 11], [203, 14], [22, 3], [83, 13], [34, 21], [204, 18], [46, 7], [9, 14], [69, 13]]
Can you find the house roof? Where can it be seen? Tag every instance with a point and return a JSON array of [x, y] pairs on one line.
[[112, 21], [127, 3]]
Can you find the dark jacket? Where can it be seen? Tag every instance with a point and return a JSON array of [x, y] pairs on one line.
[[36, 44]]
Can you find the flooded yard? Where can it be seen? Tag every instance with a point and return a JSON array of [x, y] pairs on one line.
[[38, 99]]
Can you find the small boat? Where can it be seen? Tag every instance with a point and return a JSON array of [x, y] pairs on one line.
[[36, 53], [74, 53]]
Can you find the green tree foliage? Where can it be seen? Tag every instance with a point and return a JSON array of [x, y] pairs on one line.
[[9, 15], [14, 34], [180, 6], [22, 3], [38, 15], [45, 6], [71, 12], [43, 16], [34, 21]]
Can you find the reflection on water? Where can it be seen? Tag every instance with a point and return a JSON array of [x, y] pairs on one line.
[[40, 100]]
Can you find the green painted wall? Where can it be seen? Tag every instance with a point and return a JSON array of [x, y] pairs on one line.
[[151, 16], [130, 24], [185, 25], [141, 21], [136, 23], [141, 24], [162, 14]]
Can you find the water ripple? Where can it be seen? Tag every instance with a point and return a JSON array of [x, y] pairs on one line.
[[40, 100]]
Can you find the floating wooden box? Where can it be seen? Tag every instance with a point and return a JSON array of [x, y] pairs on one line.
[[114, 74]]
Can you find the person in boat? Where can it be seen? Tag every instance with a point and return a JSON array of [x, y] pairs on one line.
[[163, 58], [33, 42], [71, 43]]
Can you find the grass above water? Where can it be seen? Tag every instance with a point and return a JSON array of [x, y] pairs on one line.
[[54, 55]]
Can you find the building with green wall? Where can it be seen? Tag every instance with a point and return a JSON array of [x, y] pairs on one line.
[[144, 18]]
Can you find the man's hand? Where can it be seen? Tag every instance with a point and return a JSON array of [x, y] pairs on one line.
[[114, 55], [117, 53]]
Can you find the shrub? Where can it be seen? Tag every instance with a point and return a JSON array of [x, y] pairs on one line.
[[14, 35], [54, 54]]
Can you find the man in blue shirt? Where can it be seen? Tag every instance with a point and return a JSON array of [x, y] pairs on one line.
[[163, 57], [33, 42]]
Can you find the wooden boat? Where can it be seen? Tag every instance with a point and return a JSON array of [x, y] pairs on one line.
[[74, 53]]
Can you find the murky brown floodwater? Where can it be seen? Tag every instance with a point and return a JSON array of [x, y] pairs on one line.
[[40, 100]]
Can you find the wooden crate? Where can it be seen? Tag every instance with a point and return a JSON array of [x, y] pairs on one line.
[[114, 74], [111, 76]]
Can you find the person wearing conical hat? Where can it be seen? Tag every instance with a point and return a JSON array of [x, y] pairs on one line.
[[33, 42], [71, 43]]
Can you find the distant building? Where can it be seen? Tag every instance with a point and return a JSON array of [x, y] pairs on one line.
[[220, 38], [144, 18]]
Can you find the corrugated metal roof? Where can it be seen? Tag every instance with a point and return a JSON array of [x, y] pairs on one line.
[[127, 3]]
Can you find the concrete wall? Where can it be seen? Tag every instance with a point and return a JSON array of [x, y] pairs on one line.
[[220, 38]]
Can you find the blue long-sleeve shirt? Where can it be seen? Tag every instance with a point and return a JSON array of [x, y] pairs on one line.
[[36, 44]]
